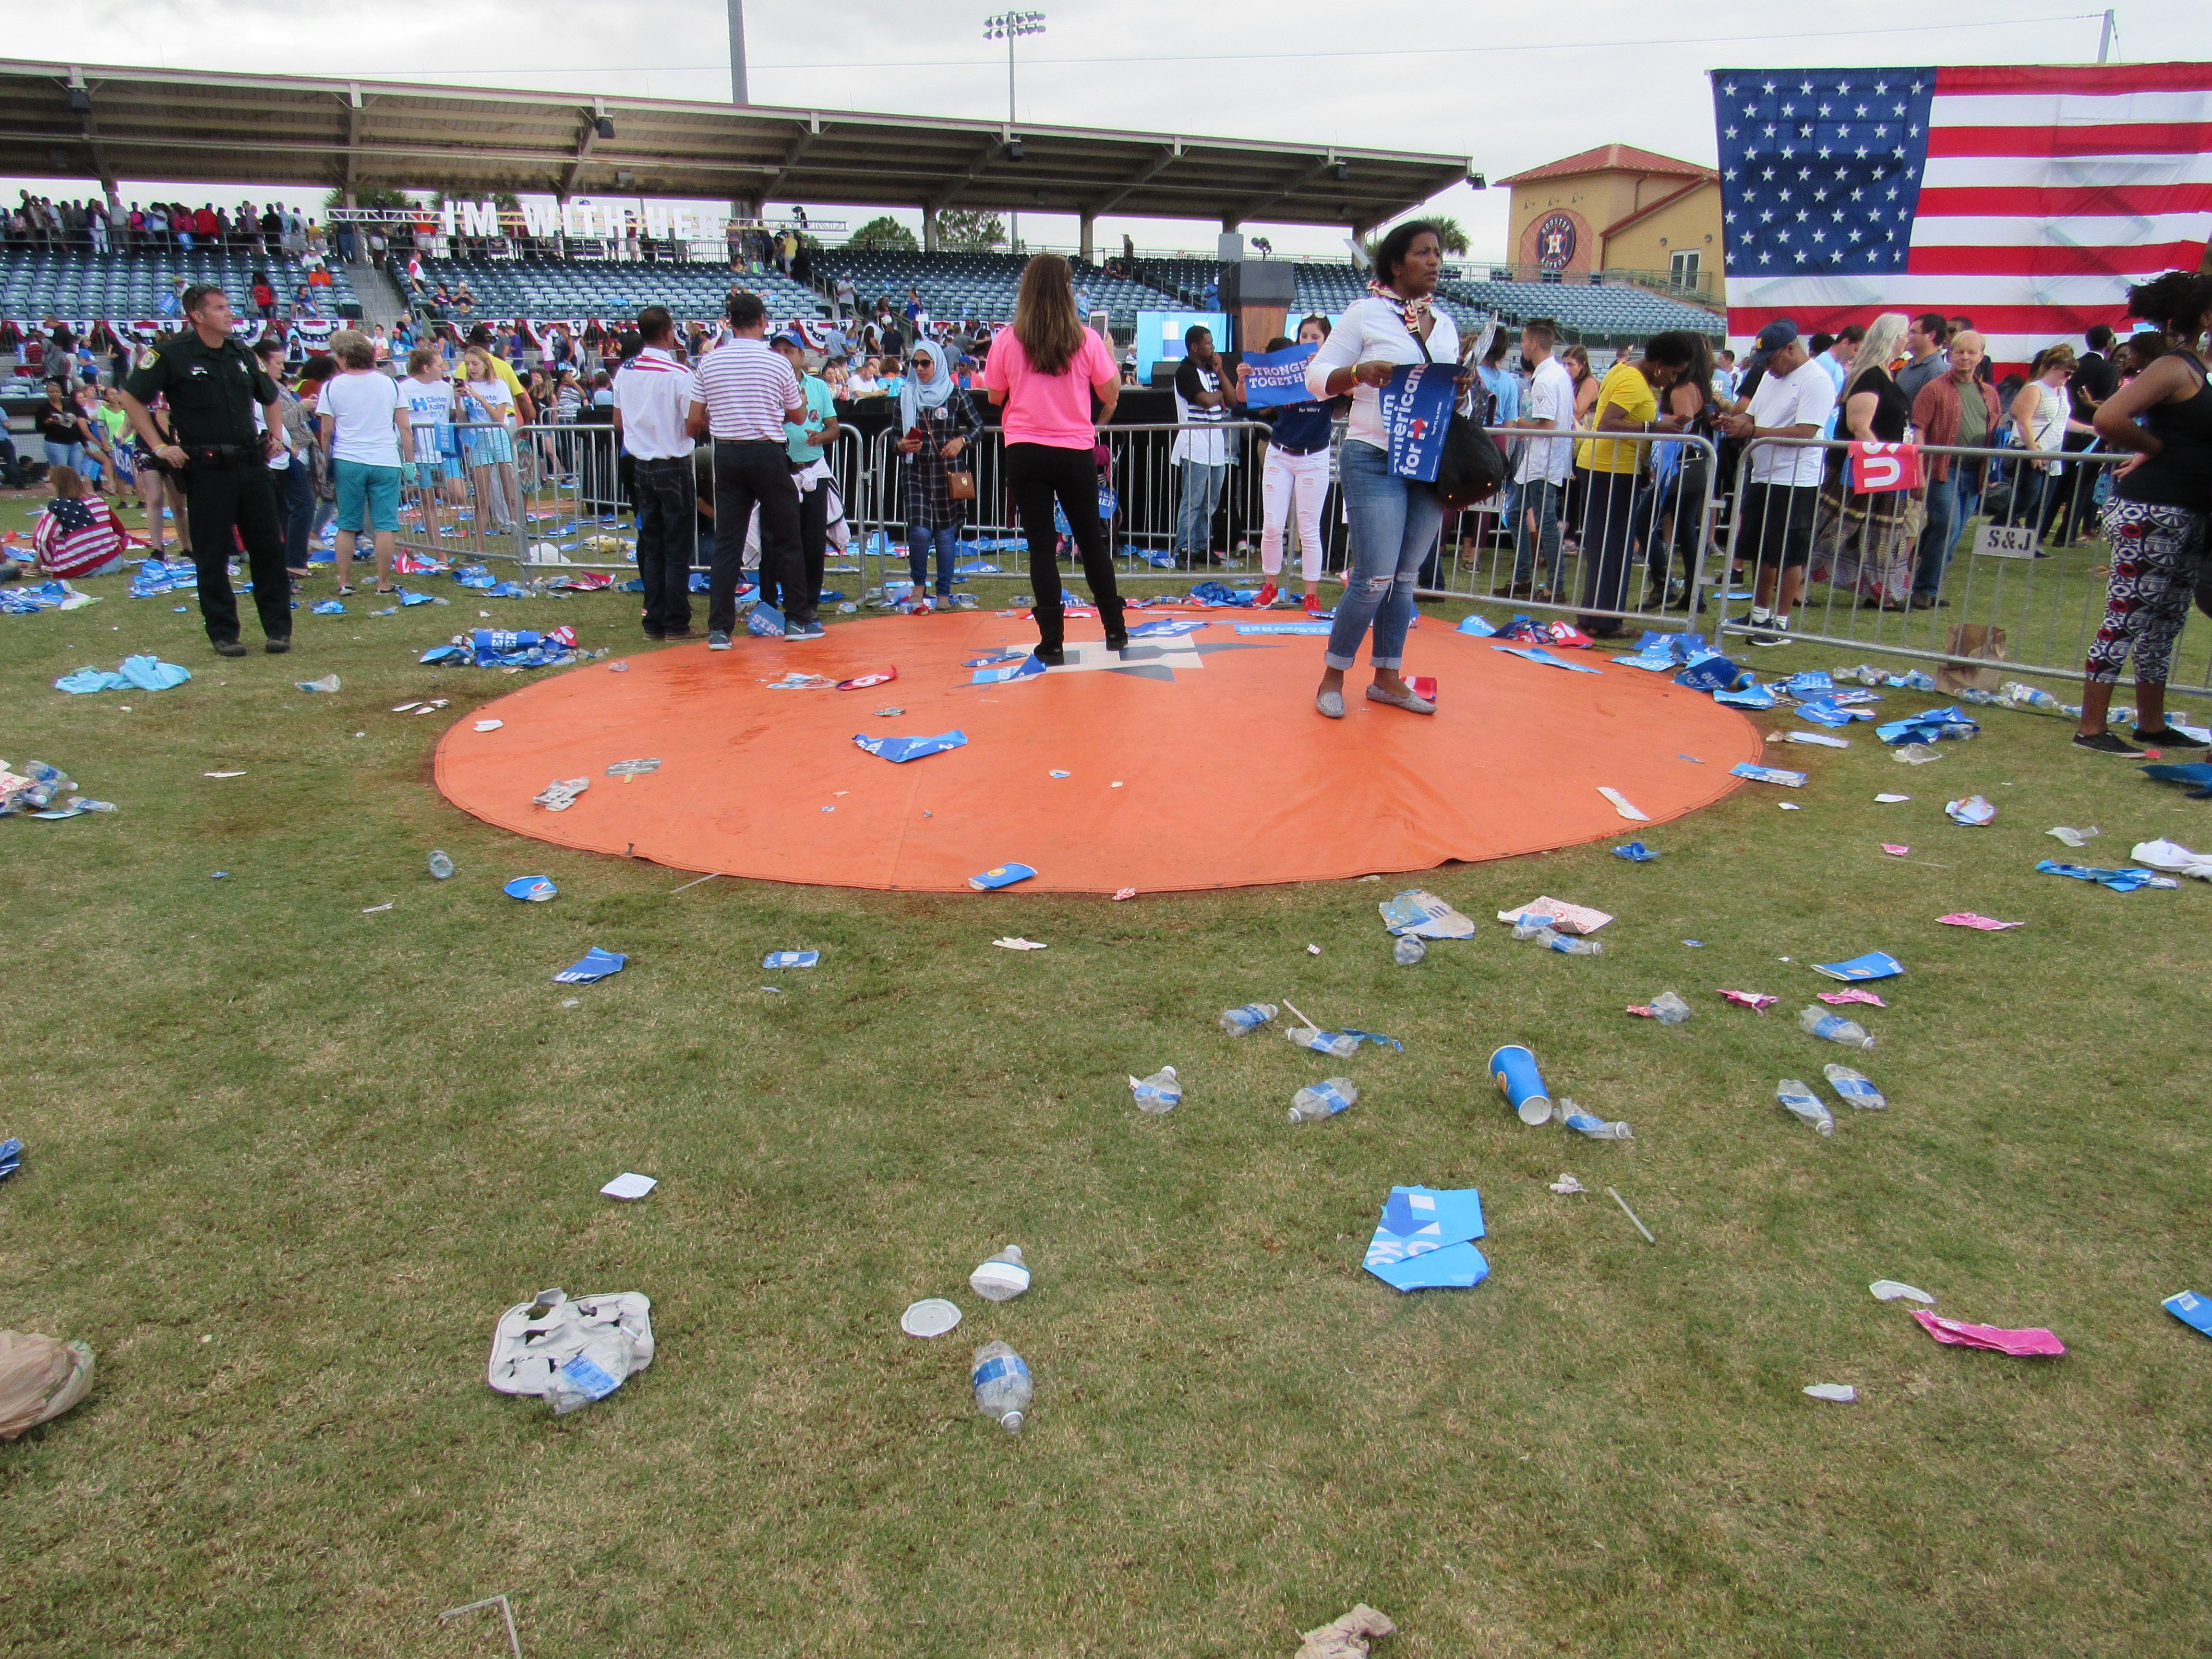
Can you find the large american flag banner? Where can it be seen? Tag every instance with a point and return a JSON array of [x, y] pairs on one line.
[[2026, 198]]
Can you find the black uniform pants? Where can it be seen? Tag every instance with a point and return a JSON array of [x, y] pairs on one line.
[[750, 474], [667, 535], [242, 497]]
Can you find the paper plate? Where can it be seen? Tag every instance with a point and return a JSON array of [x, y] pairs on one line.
[[931, 1316]]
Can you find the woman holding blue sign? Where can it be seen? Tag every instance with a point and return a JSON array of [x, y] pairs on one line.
[[1394, 516], [1296, 475]]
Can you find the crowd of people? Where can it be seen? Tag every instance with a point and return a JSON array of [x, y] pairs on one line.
[[108, 225], [1596, 465]]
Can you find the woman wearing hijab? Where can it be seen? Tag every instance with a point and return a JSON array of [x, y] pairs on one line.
[[937, 423]]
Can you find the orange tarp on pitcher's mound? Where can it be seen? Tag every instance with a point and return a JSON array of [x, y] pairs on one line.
[[1196, 761]]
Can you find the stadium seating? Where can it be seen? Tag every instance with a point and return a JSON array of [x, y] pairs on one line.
[[35, 282], [542, 286], [956, 287], [1588, 310]]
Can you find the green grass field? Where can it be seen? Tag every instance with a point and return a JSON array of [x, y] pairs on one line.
[[288, 1162]]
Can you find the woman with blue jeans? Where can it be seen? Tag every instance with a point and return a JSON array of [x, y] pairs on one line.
[[937, 423], [1394, 521], [63, 427]]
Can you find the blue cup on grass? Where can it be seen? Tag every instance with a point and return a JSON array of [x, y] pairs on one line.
[[1521, 1082]]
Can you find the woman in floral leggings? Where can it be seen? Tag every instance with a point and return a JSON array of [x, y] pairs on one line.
[[2155, 520]]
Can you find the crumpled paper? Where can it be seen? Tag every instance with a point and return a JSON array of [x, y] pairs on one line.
[[1346, 1638]]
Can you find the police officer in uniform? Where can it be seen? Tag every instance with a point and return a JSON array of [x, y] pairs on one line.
[[213, 384]]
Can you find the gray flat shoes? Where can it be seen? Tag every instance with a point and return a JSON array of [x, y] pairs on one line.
[[1406, 701], [1330, 703]]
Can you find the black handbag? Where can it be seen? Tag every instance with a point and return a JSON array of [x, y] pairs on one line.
[[1471, 467]]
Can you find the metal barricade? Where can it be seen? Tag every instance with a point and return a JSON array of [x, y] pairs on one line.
[[1619, 549], [1166, 524], [1991, 582], [843, 512], [548, 497]]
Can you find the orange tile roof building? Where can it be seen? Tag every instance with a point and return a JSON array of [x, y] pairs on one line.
[[1621, 209]]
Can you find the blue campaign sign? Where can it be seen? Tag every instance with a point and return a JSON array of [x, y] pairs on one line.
[[1417, 407], [1273, 378]]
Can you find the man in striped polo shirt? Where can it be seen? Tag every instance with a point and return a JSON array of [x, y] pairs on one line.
[[745, 394], [653, 395]]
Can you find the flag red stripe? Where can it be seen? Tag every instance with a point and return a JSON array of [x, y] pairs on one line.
[[2062, 201], [2129, 260], [2096, 79], [2135, 138], [2054, 322]]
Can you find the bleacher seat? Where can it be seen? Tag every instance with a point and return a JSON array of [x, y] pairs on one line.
[[128, 287], [543, 286], [980, 286]]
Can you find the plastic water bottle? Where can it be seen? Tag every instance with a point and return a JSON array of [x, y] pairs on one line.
[[1320, 1100], [1409, 950], [1596, 1129], [593, 1374], [1242, 1022], [441, 865], [1805, 1105], [1669, 1009], [1003, 1278], [1569, 944], [1158, 1093], [1323, 1043], [1001, 1382], [1532, 927], [1819, 1022], [1855, 1088]]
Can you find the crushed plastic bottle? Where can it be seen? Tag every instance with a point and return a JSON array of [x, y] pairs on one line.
[[1158, 1093], [1596, 1129], [1408, 951], [1325, 1099], [1000, 1380], [1566, 944], [608, 1355], [1242, 1022], [1855, 1088], [1003, 1278], [1805, 1106], [441, 865], [1342, 1044], [2029, 696], [1669, 1009], [1819, 1022]]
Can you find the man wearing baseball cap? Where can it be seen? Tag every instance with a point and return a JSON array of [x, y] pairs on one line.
[[1774, 521], [807, 443]]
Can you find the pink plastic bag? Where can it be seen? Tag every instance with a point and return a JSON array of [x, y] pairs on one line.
[[2021, 1344], [1968, 919], [1855, 994]]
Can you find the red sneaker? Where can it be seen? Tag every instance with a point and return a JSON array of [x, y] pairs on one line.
[[1313, 603], [1265, 597]]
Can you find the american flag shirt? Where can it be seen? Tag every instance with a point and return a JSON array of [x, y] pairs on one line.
[[74, 536]]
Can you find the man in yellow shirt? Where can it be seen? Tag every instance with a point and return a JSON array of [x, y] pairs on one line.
[[1627, 401]]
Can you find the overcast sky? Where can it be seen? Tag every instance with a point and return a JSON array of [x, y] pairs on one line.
[[1512, 90]]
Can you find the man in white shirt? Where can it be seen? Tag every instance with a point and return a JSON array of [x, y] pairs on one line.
[[1774, 520], [1201, 448], [654, 394], [745, 393], [1545, 462]]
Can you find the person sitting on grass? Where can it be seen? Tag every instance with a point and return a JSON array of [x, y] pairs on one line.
[[78, 535]]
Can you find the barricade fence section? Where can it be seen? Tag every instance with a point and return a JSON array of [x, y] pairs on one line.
[[1614, 528], [2000, 561]]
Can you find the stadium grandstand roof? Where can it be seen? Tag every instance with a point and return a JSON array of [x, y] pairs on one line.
[[110, 123]]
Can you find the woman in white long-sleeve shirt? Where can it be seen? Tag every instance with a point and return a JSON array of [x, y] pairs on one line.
[[1394, 521]]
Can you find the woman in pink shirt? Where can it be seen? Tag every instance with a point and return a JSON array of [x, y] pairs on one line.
[[1042, 371]]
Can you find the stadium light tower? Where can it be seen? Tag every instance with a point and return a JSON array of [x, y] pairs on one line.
[[1010, 26], [739, 90]]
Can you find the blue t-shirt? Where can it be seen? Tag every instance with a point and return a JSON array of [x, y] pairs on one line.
[[1303, 427], [821, 409]]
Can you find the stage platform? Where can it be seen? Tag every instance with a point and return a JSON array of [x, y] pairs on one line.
[[1192, 762]]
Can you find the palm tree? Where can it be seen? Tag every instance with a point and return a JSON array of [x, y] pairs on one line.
[[1451, 235]]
